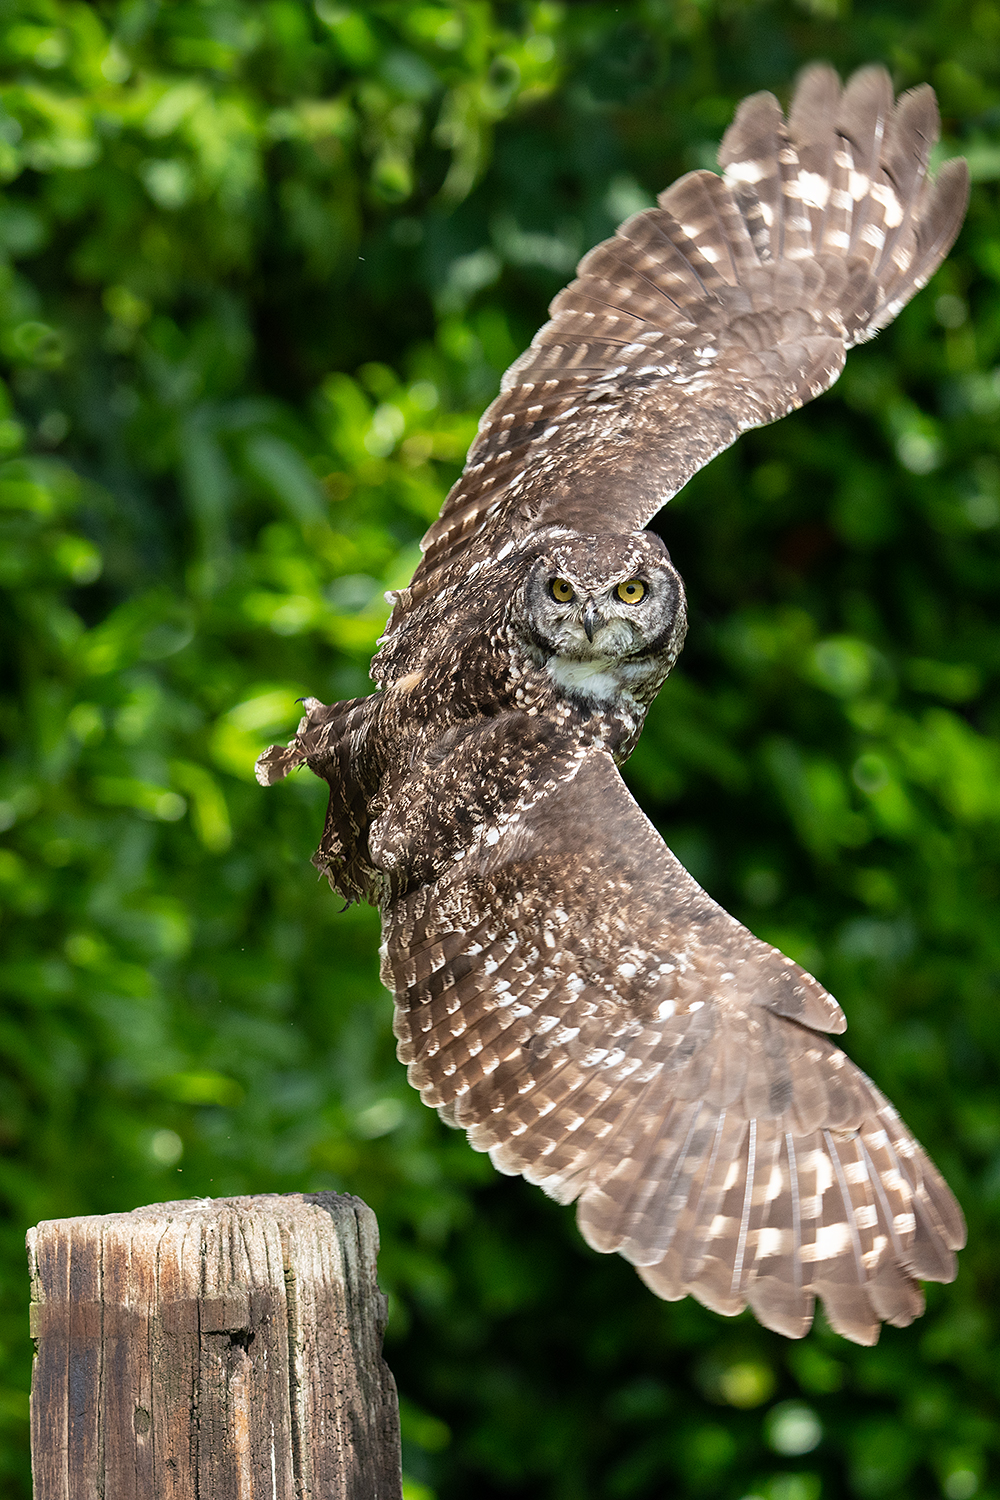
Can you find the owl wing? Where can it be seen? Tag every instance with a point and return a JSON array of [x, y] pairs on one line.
[[598, 1024], [727, 306]]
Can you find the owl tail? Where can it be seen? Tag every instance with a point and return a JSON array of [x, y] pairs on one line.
[[331, 741]]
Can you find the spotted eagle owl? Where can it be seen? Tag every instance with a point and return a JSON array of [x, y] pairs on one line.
[[564, 990]]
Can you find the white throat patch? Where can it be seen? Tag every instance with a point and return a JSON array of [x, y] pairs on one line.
[[595, 678]]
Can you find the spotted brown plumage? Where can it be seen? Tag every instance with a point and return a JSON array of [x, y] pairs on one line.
[[564, 990]]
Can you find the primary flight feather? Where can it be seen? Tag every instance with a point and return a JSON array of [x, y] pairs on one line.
[[564, 990]]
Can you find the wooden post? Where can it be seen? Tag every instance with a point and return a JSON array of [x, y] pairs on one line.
[[226, 1349]]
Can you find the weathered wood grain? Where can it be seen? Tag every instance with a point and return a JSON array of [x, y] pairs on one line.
[[226, 1349]]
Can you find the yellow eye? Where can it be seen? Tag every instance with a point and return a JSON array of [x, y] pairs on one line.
[[562, 591], [631, 591]]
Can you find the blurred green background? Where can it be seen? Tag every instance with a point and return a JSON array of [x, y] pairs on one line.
[[262, 267]]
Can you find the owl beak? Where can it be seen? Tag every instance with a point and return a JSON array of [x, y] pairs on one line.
[[591, 620]]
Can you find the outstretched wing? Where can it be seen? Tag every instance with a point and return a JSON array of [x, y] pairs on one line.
[[730, 304], [599, 1025]]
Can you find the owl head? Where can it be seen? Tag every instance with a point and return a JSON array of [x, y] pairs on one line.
[[610, 598]]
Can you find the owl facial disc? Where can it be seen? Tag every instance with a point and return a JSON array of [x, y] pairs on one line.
[[605, 614]]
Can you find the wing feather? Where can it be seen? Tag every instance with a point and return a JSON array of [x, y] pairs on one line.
[[600, 1026], [729, 304]]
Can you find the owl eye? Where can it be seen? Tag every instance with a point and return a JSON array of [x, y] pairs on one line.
[[562, 591], [631, 591]]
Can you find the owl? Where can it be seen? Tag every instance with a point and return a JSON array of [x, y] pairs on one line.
[[564, 990]]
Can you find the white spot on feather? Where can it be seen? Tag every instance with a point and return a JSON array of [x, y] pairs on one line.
[[831, 1240], [884, 194], [745, 171], [771, 1241], [814, 189], [821, 1165]]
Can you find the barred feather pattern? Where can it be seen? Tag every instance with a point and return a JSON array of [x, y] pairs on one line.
[[731, 303], [600, 1026]]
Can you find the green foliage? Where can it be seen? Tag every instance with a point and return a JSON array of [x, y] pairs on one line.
[[262, 266]]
